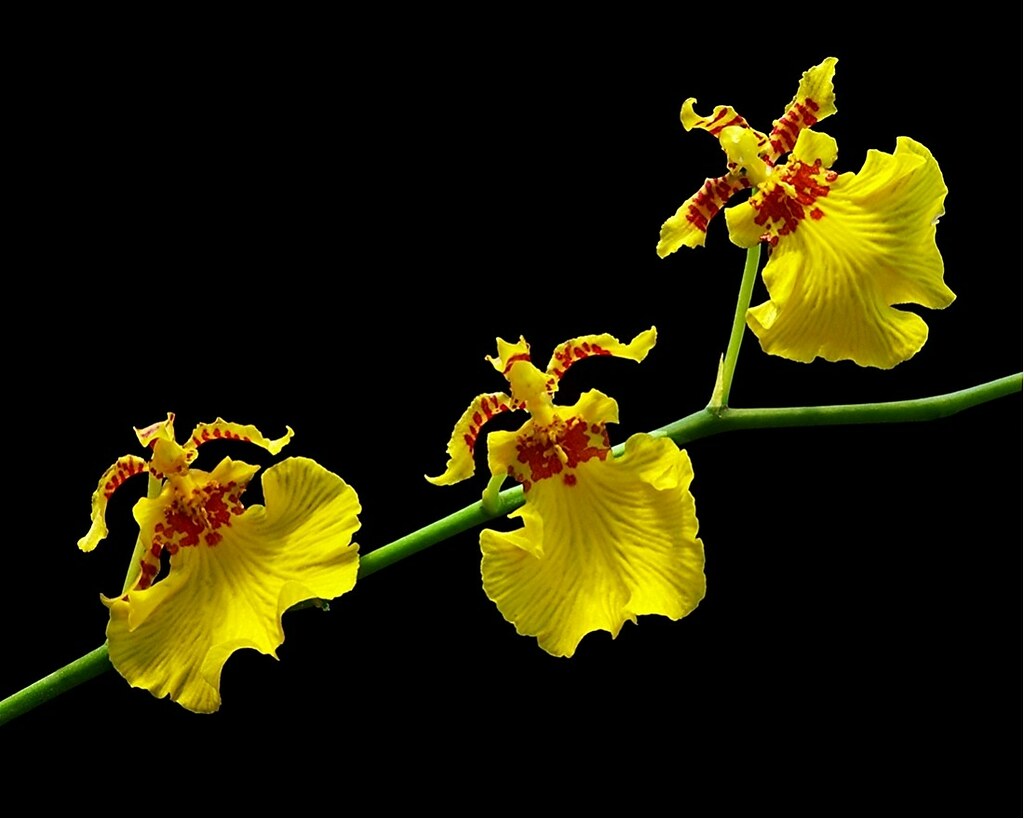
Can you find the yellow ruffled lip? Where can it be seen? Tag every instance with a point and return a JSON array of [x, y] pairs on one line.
[[618, 541], [867, 245], [233, 571]]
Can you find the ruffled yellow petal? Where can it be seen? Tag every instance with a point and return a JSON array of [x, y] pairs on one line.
[[122, 469], [689, 226], [576, 349], [160, 431], [509, 354], [618, 542], [464, 437], [815, 99], [173, 638], [814, 146], [594, 407], [868, 244]]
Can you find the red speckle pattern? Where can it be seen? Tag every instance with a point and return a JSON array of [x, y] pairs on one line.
[[571, 352], [718, 121], [780, 212], [798, 116], [149, 571], [513, 359], [122, 470], [710, 199], [557, 450], [485, 408], [192, 520], [214, 432]]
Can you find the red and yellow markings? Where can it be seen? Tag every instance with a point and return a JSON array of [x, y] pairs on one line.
[[160, 430], [787, 128], [192, 520], [148, 572], [718, 122], [217, 432], [122, 469], [557, 450], [782, 212], [572, 351], [512, 359], [711, 198], [722, 117], [221, 430], [482, 410]]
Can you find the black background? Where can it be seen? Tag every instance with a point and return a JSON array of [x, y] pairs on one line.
[[269, 228]]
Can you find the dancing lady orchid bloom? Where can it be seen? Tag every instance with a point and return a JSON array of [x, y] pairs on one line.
[[233, 571], [604, 539], [844, 248]]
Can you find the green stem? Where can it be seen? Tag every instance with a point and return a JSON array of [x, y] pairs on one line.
[[698, 425], [704, 423], [446, 527], [63, 679], [720, 397]]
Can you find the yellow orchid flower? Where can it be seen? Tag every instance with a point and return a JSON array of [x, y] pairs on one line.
[[603, 539], [233, 571], [844, 248]]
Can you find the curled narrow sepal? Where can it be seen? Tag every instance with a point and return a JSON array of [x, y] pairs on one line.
[[576, 349], [462, 444], [724, 116], [228, 431], [122, 469]]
